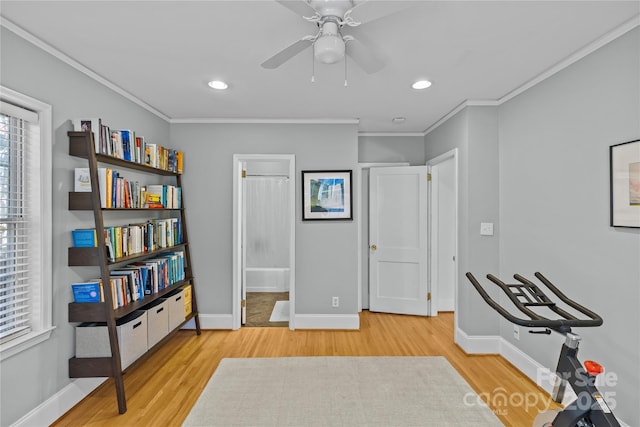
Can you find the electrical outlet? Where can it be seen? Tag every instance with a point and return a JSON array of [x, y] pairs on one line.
[[335, 302], [516, 332]]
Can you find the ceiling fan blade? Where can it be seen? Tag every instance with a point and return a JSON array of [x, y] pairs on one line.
[[367, 58], [366, 11], [286, 54], [299, 7]]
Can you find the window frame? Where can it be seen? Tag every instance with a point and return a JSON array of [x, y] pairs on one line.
[[42, 292]]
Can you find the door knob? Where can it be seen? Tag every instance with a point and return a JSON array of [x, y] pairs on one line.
[[374, 247]]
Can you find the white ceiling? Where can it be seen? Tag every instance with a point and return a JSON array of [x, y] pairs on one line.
[[165, 52]]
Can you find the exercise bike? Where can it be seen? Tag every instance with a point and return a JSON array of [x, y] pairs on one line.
[[590, 409]]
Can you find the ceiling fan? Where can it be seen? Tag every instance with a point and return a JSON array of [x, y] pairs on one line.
[[329, 43]]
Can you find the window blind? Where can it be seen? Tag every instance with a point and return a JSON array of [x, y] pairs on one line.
[[17, 127]]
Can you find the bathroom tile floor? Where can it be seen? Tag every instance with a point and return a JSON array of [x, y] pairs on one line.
[[259, 308]]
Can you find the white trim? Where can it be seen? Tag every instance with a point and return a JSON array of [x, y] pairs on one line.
[[237, 245], [44, 316], [451, 154], [540, 375], [211, 321], [390, 134], [477, 344], [327, 321], [78, 66], [57, 405], [259, 120], [24, 342], [358, 219], [575, 57]]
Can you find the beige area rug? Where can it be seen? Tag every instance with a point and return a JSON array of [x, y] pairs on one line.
[[339, 391]]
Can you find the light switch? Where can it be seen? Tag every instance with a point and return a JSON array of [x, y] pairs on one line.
[[486, 229]]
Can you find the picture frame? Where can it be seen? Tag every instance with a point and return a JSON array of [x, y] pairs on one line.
[[625, 184], [326, 195]]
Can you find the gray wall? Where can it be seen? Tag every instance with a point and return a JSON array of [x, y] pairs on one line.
[[325, 251], [33, 376], [391, 148], [474, 132], [538, 166], [554, 205]]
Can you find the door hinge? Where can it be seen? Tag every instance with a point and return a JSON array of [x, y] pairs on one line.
[[428, 296], [243, 303], [244, 173], [428, 177]]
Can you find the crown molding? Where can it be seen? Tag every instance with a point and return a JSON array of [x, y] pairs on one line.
[[390, 133], [289, 121], [576, 56], [571, 59], [4, 22]]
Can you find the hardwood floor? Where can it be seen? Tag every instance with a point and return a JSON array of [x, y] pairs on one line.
[[161, 391]]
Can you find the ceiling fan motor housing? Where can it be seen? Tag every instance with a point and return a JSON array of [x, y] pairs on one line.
[[332, 7]]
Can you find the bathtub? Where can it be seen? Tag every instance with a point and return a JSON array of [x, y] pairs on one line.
[[267, 279]]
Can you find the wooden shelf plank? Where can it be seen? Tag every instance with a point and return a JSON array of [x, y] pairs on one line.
[[82, 257], [81, 201], [90, 367]]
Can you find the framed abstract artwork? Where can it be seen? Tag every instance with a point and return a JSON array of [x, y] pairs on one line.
[[326, 195], [625, 184]]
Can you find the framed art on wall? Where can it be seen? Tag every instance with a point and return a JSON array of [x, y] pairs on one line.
[[326, 195], [625, 184]]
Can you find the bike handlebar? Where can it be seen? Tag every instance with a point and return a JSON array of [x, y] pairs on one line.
[[527, 294]]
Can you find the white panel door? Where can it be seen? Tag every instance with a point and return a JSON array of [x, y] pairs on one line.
[[398, 240]]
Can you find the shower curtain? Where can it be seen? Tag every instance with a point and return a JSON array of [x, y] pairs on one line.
[[267, 222]]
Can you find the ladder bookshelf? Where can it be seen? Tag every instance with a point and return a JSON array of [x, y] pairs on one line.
[[81, 144]]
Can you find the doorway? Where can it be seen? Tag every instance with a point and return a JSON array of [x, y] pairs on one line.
[[444, 231], [264, 240], [442, 218]]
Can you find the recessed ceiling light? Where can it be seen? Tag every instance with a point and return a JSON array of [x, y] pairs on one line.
[[398, 120], [421, 84], [218, 84]]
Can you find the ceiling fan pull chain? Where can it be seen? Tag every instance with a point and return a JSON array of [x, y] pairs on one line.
[[345, 64], [313, 63]]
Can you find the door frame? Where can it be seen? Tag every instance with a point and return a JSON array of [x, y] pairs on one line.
[[360, 212], [433, 227], [238, 160]]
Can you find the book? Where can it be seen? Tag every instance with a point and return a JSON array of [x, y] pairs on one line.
[[179, 161], [84, 238], [87, 292], [154, 196], [93, 125], [82, 180], [128, 142]]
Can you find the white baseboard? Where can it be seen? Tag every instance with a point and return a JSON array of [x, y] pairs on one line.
[[58, 404], [327, 321], [539, 374], [481, 344], [211, 321]]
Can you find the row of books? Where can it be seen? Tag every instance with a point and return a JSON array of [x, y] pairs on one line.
[[132, 239], [118, 192], [126, 145], [135, 239], [132, 282]]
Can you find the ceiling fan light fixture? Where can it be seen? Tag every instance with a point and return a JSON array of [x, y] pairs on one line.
[[218, 84], [329, 49], [421, 84]]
